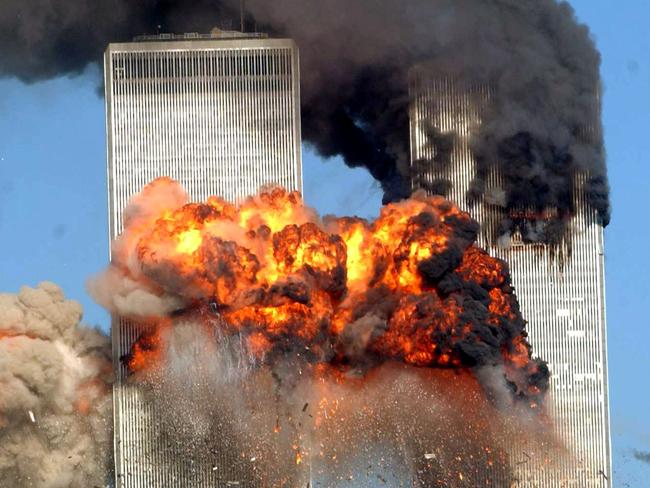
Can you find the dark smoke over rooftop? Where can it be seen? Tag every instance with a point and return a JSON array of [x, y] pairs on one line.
[[541, 65]]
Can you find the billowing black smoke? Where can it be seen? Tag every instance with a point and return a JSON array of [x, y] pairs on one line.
[[541, 128]]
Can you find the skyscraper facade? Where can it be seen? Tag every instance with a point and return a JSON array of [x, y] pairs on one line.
[[561, 288], [220, 113]]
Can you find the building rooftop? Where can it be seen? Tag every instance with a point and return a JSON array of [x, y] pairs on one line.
[[214, 34]]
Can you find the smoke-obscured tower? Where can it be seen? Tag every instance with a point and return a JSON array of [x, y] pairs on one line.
[[557, 266], [220, 113]]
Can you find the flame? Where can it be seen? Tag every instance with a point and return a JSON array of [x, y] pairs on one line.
[[147, 351], [189, 241], [410, 286]]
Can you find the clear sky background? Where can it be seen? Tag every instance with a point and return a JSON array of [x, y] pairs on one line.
[[53, 211]]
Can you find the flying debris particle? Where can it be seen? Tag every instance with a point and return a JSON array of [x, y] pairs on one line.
[[253, 459], [31, 416], [305, 407], [429, 456], [214, 468], [528, 458], [642, 456]]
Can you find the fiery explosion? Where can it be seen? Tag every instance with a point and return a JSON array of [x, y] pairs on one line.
[[343, 293]]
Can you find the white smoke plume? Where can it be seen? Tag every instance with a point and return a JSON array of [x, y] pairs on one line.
[[120, 294], [55, 402]]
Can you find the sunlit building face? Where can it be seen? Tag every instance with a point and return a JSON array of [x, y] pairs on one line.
[[221, 116]]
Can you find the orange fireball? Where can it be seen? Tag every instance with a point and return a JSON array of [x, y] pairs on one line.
[[410, 286]]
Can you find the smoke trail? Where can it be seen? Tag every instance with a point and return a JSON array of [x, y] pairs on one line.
[[540, 63], [55, 422]]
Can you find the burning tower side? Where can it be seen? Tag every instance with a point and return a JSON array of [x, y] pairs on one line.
[[220, 113], [557, 266]]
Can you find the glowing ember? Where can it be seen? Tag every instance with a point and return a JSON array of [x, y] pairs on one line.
[[410, 286]]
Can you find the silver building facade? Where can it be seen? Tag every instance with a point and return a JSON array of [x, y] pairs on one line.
[[563, 300], [219, 113]]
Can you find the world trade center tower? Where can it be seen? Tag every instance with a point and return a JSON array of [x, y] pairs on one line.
[[561, 291], [220, 113]]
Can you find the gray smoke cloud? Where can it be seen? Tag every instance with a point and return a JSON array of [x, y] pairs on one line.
[[541, 126], [55, 401], [642, 456]]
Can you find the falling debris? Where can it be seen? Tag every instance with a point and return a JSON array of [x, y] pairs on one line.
[[31, 417], [429, 456]]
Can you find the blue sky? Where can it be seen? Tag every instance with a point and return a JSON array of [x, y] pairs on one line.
[[53, 216]]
